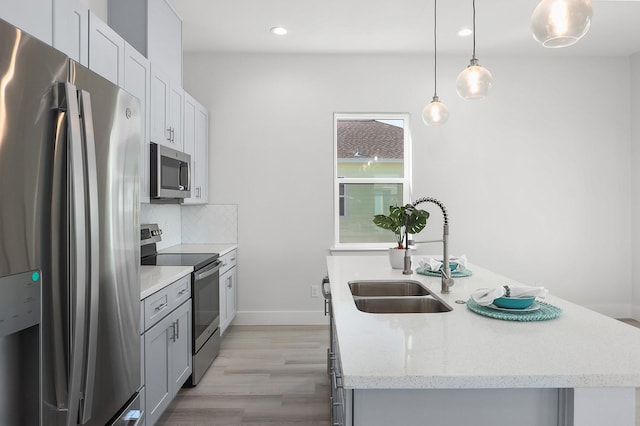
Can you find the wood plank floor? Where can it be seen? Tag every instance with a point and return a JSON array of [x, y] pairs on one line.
[[264, 376]]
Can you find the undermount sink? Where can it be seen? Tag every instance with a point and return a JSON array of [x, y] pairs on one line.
[[395, 297], [387, 288], [404, 305]]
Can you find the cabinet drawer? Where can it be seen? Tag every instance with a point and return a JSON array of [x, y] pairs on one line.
[[181, 290], [157, 306], [229, 260]]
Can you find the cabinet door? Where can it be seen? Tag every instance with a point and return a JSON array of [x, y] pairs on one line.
[[181, 346], [160, 92], [106, 51], [196, 144], [224, 321], [176, 101], [32, 16], [71, 29], [158, 381], [202, 154], [137, 81], [164, 42], [232, 296], [189, 144]]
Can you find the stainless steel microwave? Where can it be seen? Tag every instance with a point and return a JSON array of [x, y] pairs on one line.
[[169, 174]]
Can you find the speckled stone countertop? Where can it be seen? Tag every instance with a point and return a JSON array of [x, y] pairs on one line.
[[461, 349], [155, 278], [221, 249]]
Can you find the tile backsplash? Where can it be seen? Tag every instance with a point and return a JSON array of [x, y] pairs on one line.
[[210, 224], [207, 224], [167, 216]]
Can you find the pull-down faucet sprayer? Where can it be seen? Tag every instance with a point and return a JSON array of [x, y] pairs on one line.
[[446, 281]]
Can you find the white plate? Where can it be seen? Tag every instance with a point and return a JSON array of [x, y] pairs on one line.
[[534, 307]]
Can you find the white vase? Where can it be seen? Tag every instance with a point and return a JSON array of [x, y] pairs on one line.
[[396, 257]]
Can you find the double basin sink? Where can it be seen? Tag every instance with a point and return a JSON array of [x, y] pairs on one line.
[[395, 297]]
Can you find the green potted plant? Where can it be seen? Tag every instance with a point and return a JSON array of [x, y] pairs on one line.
[[402, 221]]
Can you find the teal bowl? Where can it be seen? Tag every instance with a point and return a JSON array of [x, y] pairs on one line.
[[514, 302]]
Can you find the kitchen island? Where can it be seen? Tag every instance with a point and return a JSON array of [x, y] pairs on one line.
[[458, 367]]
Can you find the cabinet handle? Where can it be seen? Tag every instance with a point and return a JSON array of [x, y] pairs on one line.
[[177, 323], [169, 132], [173, 332], [161, 306], [181, 292], [173, 134]]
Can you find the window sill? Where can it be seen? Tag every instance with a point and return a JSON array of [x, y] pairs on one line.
[[338, 251]]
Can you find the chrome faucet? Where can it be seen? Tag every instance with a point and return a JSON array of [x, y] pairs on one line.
[[446, 280]]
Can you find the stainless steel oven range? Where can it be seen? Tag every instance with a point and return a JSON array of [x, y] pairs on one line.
[[205, 290]]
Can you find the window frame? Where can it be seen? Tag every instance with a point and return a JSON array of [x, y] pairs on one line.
[[405, 181]]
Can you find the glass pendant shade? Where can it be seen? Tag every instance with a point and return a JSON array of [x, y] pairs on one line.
[[474, 82], [435, 113], [561, 23]]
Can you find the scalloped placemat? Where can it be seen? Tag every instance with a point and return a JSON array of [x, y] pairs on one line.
[[546, 312], [454, 274]]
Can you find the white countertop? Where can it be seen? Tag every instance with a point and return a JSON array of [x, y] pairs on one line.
[[221, 249], [155, 278], [461, 349]]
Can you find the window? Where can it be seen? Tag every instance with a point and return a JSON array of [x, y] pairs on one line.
[[372, 172]]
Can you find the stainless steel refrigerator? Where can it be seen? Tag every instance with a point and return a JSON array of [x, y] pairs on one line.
[[69, 241]]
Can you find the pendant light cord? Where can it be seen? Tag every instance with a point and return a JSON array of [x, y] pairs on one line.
[[474, 29], [435, 48]]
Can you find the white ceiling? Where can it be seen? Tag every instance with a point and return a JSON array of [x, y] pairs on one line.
[[393, 26]]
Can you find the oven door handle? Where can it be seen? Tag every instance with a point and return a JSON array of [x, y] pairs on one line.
[[204, 273]]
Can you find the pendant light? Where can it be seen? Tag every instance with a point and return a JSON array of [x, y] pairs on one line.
[[475, 81], [435, 113], [561, 23]]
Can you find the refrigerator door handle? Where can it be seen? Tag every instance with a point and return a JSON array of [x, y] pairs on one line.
[[78, 250], [93, 241]]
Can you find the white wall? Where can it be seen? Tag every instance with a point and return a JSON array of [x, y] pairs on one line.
[[536, 178], [635, 179]]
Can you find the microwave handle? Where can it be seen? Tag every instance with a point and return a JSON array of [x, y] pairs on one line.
[[184, 166]]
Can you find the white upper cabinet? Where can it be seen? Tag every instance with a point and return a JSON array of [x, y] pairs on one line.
[[196, 144], [202, 155], [137, 81], [32, 16], [164, 41], [106, 51], [71, 29], [154, 28], [176, 105], [166, 110]]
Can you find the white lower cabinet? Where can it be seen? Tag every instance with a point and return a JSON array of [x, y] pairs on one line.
[[167, 359], [228, 290]]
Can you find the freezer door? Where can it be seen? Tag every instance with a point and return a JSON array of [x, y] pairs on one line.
[[116, 130], [32, 213]]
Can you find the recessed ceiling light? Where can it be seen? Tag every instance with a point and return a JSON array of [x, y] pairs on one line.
[[279, 30], [465, 32]]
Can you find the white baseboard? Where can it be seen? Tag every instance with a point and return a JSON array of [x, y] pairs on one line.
[[280, 318]]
